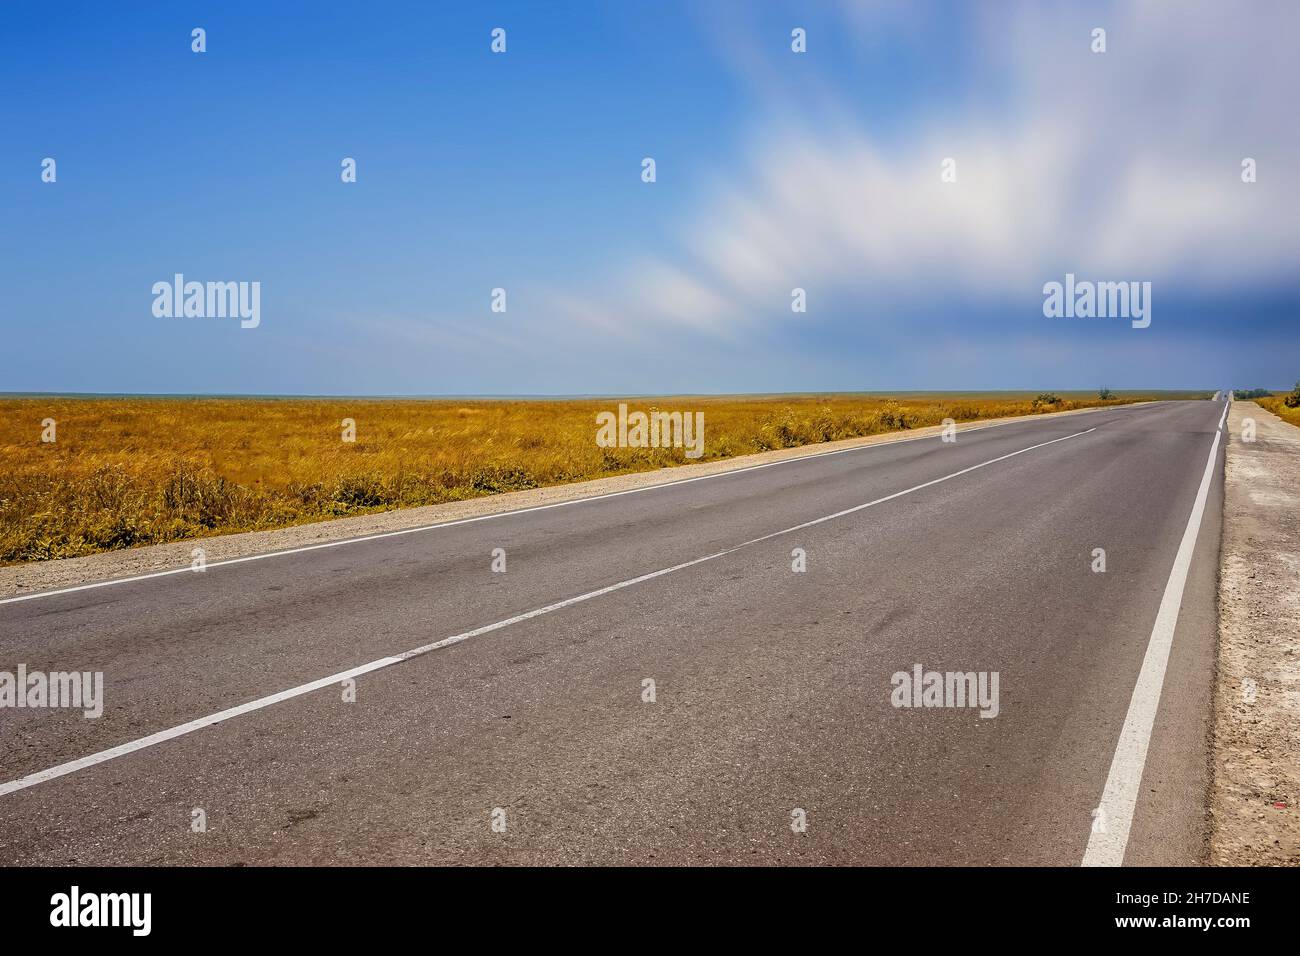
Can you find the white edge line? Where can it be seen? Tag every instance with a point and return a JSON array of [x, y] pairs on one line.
[[505, 514], [1108, 843], [162, 736]]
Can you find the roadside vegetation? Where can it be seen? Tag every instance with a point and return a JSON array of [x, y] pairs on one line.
[[1285, 407], [124, 472]]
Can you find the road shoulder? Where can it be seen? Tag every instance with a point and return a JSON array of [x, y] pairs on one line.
[[1257, 698]]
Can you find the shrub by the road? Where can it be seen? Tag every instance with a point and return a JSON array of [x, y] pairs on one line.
[[1285, 407]]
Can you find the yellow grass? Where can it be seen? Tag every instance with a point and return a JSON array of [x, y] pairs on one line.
[[1277, 406], [132, 471]]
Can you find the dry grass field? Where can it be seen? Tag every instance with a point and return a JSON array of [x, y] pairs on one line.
[[126, 471], [1277, 405]]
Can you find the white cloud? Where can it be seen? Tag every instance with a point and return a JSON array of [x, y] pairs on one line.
[[1119, 165]]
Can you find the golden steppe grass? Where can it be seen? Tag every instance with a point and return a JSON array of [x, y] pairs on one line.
[[128, 471], [1277, 405]]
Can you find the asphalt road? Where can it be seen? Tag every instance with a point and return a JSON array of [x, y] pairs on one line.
[[772, 688]]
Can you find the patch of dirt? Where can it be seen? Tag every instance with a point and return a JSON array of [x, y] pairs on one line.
[[1255, 820]]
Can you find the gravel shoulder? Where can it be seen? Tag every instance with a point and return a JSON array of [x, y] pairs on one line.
[[69, 572], [1257, 699]]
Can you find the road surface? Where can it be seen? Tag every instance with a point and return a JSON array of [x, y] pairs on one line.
[[529, 737]]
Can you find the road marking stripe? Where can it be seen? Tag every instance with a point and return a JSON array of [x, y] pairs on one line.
[[1107, 844], [162, 736], [506, 514]]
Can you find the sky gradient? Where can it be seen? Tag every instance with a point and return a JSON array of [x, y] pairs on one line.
[[522, 170]]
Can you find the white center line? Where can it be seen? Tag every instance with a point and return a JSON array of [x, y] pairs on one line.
[[1107, 844], [162, 736]]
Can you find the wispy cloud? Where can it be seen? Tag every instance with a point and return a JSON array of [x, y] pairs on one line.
[[1123, 164]]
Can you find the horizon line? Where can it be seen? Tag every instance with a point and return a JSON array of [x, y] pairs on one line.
[[498, 396]]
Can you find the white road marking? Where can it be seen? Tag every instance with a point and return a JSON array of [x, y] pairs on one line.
[[501, 514], [132, 746], [1106, 846], [187, 728]]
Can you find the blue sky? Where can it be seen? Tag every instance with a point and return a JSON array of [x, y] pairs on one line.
[[522, 170]]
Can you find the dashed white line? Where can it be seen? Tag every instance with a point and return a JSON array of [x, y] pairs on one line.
[[172, 733], [162, 736]]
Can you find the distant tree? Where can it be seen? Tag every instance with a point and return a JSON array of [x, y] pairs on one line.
[[1293, 400], [1251, 393], [1047, 398], [1105, 394]]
